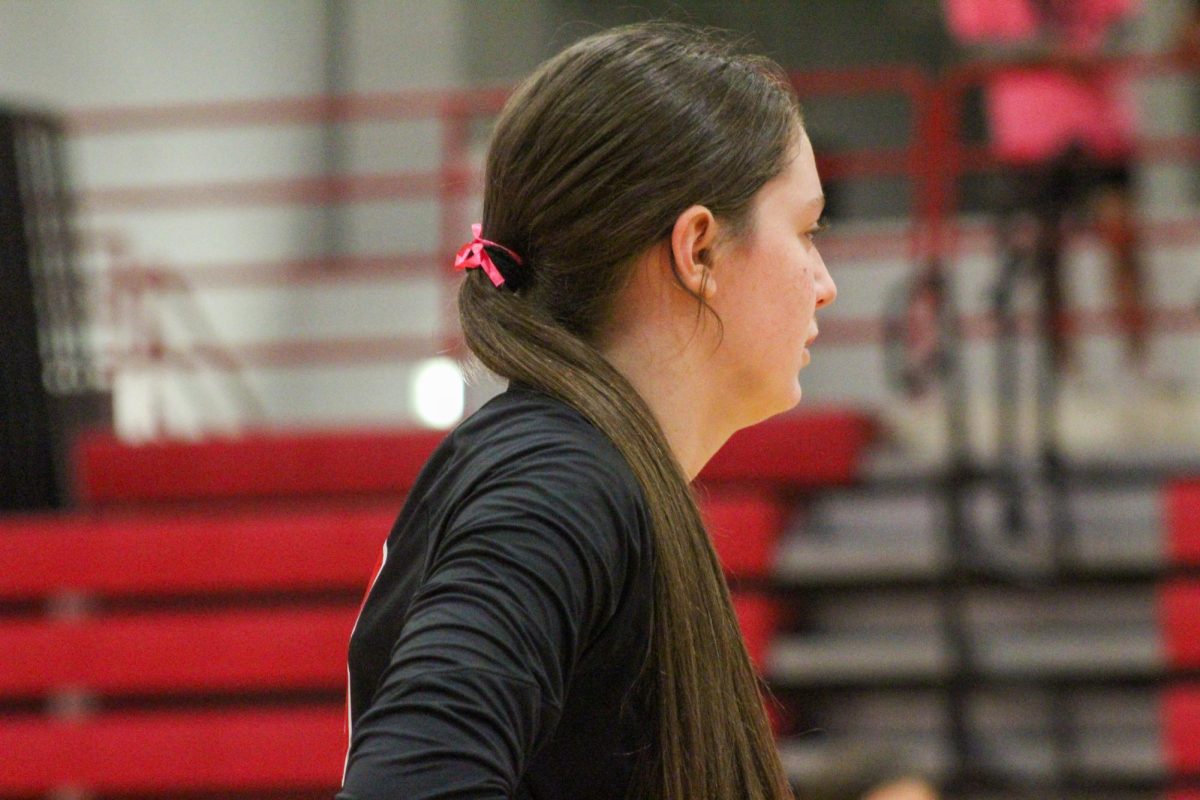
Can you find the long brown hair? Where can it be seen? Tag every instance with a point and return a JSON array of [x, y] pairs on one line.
[[591, 162]]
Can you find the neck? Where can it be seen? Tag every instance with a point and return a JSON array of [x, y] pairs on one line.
[[679, 391]]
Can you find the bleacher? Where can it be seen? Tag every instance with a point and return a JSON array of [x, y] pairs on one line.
[[185, 632]]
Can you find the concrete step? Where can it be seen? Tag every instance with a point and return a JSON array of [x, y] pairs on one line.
[[862, 537], [925, 655]]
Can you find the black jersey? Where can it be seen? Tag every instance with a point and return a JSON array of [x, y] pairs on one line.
[[499, 648]]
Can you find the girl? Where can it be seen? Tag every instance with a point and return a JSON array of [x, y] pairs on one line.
[[550, 620]]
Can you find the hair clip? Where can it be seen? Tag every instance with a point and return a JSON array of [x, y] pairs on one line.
[[474, 255]]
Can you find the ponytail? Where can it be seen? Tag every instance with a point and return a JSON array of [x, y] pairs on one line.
[[712, 738], [591, 162]]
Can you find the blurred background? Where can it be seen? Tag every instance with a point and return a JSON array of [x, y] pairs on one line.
[[227, 342]]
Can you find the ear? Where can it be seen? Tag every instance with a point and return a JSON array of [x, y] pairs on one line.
[[692, 240]]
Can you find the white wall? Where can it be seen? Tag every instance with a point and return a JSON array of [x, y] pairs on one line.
[[84, 53], [77, 55]]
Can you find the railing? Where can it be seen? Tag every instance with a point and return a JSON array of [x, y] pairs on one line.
[[933, 159]]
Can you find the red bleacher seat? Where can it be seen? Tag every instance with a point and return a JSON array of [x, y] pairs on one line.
[[196, 552], [1183, 521], [1180, 620], [759, 616], [1181, 729], [253, 466], [745, 525], [187, 633], [812, 448], [178, 652], [194, 751], [211, 617], [803, 449]]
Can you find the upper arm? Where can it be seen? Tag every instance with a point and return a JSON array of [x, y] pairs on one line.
[[536, 560], [527, 572]]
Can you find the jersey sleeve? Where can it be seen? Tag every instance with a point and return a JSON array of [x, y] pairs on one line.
[[529, 571]]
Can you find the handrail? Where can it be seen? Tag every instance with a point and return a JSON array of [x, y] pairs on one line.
[[934, 159], [273, 112]]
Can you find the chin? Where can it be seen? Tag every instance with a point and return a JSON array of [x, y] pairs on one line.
[[797, 395], [785, 401], [772, 397]]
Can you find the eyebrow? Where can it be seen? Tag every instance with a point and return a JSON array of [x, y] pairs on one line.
[[817, 202]]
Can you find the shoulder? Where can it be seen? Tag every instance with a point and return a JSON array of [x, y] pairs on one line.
[[529, 470], [526, 440], [542, 492]]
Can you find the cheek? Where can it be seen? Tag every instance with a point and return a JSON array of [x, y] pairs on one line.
[[804, 288], [814, 265], [785, 306]]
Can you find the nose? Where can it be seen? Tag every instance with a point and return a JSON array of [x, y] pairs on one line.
[[826, 288]]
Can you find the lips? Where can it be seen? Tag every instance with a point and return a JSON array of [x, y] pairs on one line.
[[808, 342]]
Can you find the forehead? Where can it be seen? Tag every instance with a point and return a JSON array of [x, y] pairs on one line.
[[797, 187]]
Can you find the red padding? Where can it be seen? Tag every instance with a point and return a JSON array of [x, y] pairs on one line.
[[252, 466], [1181, 729], [177, 653], [1183, 522], [809, 449], [759, 617], [193, 553], [813, 448], [1179, 605], [163, 752], [745, 526]]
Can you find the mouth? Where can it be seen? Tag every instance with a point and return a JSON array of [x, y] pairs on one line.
[[807, 355]]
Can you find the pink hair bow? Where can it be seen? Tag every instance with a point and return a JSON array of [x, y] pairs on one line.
[[474, 255]]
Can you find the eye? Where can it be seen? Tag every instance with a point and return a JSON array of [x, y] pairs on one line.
[[812, 232]]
